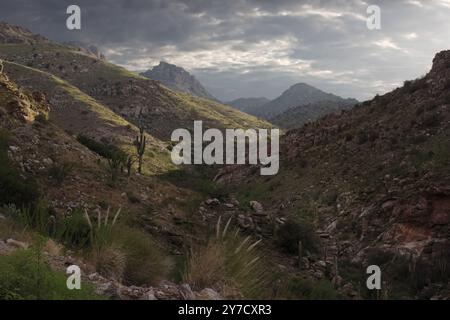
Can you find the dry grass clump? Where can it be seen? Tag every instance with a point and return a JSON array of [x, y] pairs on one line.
[[125, 253], [229, 261]]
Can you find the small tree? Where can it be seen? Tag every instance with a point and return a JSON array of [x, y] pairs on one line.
[[140, 144], [115, 161], [129, 164]]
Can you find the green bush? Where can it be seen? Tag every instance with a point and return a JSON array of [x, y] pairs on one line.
[[24, 276], [14, 189], [60, 172], [73, 230], [107, 151], [42, 118], [116, 157], [144, 263], [308, 289], [292, 232]]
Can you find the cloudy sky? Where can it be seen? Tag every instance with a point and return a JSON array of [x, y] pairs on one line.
[[245, 48]]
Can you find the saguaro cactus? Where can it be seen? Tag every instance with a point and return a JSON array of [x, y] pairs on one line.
[[140, 144]]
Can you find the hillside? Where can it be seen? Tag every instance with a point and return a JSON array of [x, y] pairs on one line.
[[248, 105], [177, 79], [46, 171], [374, 183], [16, 34], [131, 236], [300, 94], [298, 116], [132, 97]]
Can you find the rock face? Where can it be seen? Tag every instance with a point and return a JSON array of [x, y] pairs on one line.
[[178, 79], [17, 106], [300, 94]]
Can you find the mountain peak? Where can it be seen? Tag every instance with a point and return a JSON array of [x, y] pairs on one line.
[[177, 78], [300, 94], [301, 85]]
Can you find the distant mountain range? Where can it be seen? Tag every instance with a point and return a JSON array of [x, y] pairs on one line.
[[297, 105], [248, 105], [178, 79], [298, 116]]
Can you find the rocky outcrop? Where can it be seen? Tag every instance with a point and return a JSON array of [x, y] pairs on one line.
[[15, 34], [178, 79], [165, 291]]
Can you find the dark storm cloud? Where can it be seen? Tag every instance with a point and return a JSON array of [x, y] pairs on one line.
[[256, 47]]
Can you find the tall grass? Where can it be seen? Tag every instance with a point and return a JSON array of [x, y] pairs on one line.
[[125, 253], [118, 251], [229, 261]]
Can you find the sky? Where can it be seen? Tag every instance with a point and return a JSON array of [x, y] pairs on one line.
[[256, 48]]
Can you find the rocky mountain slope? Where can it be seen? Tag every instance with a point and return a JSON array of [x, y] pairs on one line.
[[177, 79], [87, 48], [16, 34], [248, 105], [50, 95], [134, 98], [374, 182], [39, 149], [300, 94], [298, 116]]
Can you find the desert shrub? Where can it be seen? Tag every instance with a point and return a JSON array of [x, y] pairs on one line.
[[124, 252], [145, 264], [132, 197], [37, 217], [116, 157], [110, 262], [25, 276], [42, 118], [229, 261], [107, 151], [59, 172], [13, 187], [292, 232], [73, 230], [308, 289], [199, 179]]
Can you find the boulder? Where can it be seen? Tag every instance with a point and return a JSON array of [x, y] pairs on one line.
[[208, 294], [17, 244], [257, 207]]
